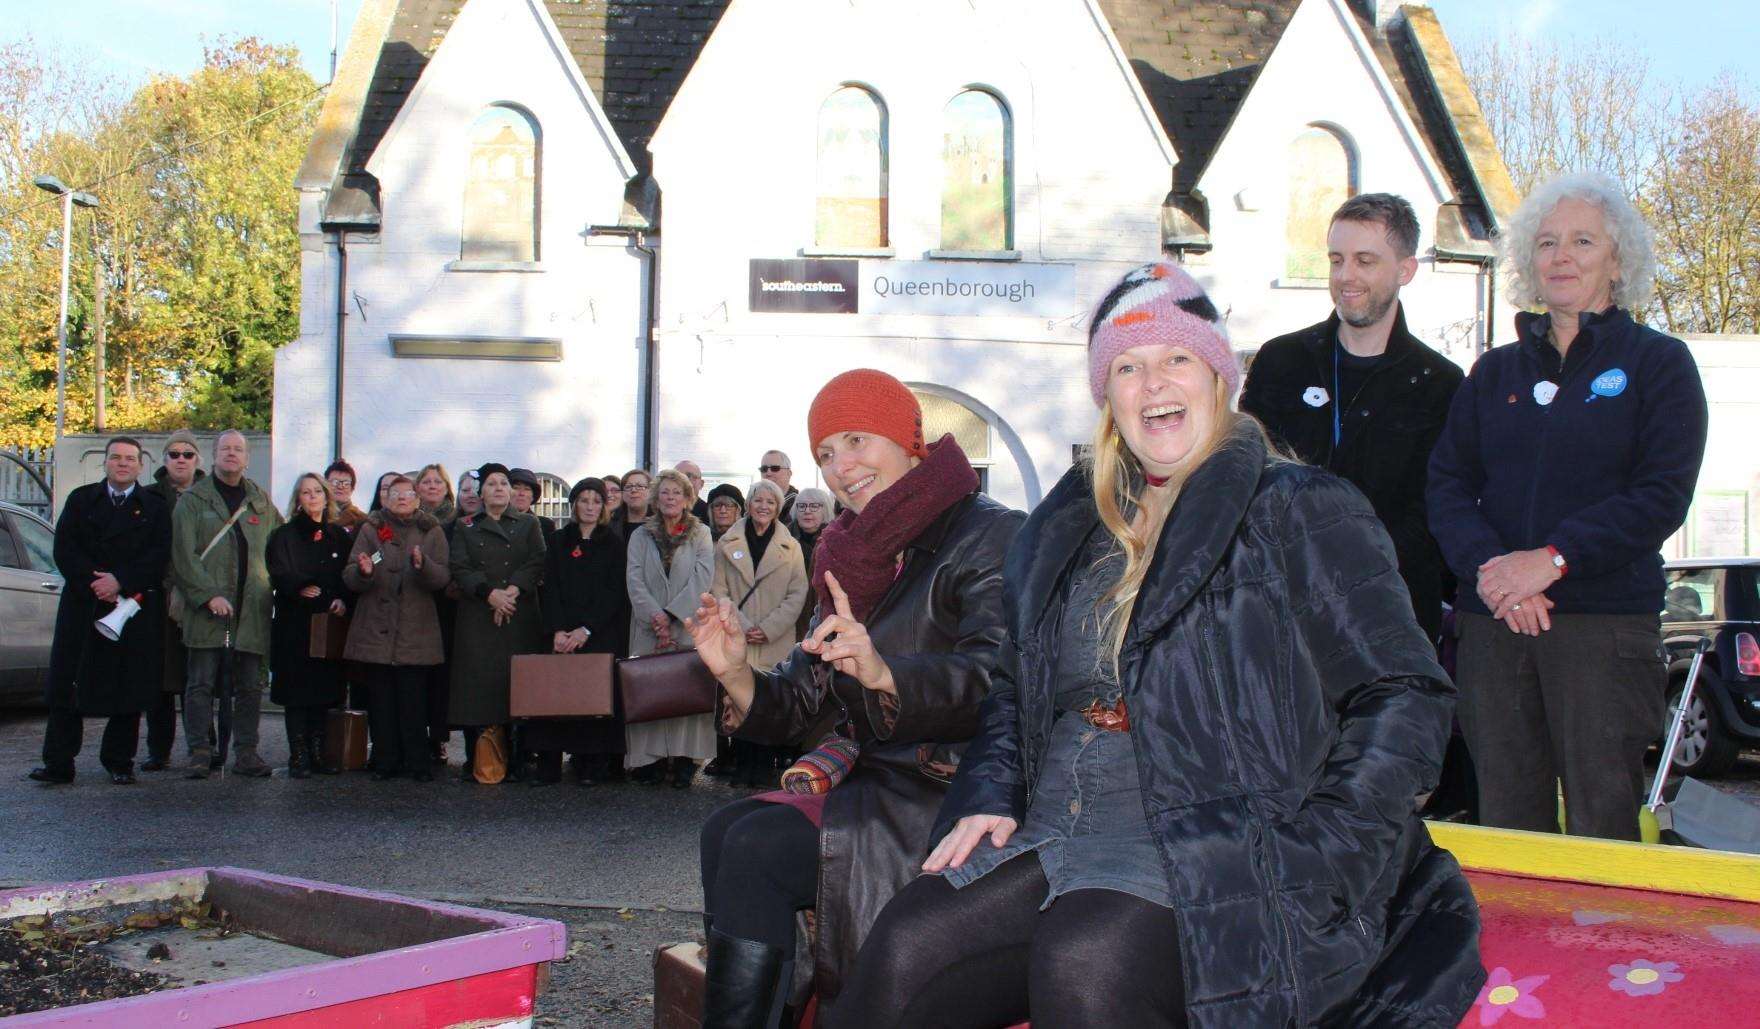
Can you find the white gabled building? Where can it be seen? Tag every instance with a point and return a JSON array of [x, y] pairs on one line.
[[942, 190]]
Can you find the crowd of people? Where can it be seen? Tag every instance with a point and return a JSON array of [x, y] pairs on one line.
[[441, 584], [1157, 750]]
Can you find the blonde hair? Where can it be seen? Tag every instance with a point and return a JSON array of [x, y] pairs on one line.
[[1114, 474], [445, 479], [329, 497], [677, 478]]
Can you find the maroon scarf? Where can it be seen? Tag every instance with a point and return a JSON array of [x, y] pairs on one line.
[[862, 549]]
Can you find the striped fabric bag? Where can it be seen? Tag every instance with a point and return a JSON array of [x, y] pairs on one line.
[[823, 768]]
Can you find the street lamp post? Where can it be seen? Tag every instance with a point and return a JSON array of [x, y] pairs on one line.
[[69, 197]]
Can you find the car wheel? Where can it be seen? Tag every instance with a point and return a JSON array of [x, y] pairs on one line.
[[1706, 749]]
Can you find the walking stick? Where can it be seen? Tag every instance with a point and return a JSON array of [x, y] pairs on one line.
[[1660, 818]]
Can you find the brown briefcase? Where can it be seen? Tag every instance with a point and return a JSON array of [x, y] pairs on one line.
[[670, 685], [561, 685], [345, 739], [329, 636], [679, 981]]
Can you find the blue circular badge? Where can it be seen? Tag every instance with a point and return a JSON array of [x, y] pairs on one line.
[[1610, 383]]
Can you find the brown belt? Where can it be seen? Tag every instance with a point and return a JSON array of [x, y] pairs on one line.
[[1113, 718]]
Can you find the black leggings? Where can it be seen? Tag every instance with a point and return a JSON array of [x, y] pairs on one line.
[[987, 956], [760, 866]]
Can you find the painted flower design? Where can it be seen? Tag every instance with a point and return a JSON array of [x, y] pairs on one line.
[[1643, 978], [1503, 994]]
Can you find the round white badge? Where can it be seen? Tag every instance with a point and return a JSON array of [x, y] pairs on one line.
[[738, 554], [1544, 392], [1314, 396]]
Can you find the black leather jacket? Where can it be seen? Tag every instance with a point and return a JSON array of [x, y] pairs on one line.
[[939, 628], [1287, 711]]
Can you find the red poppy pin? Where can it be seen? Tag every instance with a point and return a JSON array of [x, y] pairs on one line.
[[576, 552], [385, 534], [467, 523], [318, 535], [252, 520], [678, 530]]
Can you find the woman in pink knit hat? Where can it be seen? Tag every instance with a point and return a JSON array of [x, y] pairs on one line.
[[1191, 797]]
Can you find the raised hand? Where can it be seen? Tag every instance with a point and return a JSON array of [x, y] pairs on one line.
[[716, 634], [365, 564], [852, 652]]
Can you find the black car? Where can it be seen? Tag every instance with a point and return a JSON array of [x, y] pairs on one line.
[[1718, 598]]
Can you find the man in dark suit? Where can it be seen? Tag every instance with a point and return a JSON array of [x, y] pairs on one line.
[[112, 544]]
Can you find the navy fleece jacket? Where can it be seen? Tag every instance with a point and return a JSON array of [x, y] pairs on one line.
[[1603, 468]]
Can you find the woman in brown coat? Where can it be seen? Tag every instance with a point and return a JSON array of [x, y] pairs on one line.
[[398, 563]]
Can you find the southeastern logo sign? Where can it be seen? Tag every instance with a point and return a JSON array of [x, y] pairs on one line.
[[802, 287]]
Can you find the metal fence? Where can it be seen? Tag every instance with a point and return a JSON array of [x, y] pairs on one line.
[[27, 478]]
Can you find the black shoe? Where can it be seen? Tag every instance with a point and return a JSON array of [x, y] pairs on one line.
[[718, 769], [155, 764], [299, 761], [683, 771], [423, 776], [315, 755], [647, 775], [466, 775], [122, 779], [43, 775], [215, 762], [743, 983], [383, 776]]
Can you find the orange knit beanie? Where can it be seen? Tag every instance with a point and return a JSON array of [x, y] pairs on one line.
[[870, 401]]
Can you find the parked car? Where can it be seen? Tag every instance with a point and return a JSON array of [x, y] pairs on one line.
[[30, 589], [1718, 598]]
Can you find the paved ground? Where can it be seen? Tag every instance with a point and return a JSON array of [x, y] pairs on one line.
[[617, 864]]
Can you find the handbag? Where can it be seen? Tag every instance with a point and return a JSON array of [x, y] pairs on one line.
[[670, 685], [345, 739], [489, 763], [561, 685], [329, 636]]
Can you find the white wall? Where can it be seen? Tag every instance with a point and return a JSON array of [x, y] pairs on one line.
[[1321, 73], [573, 417], [1729, 366], [735, 158]]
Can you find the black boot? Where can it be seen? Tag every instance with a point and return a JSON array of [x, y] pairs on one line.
[[315, 753], [743, 987], [299, 758]]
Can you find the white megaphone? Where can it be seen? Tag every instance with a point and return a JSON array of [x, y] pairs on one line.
[[110, 626]]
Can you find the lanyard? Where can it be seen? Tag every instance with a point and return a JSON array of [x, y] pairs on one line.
[[1337, 402]]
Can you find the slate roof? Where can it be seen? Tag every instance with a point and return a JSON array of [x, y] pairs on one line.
[[1198, 59], [634, 55]]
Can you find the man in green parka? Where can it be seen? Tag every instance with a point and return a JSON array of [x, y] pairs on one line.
[[219, 531]]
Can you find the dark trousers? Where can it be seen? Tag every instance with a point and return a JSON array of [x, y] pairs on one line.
[[65, 734], [1093, 958], [304, 723], [162, 727], [1580, 703], [760, 865], [397, 718], [439, 704]]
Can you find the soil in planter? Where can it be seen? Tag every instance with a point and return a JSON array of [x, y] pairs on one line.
[[49, 962]]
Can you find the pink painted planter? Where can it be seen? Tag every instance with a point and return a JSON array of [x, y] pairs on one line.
[[399, 962]]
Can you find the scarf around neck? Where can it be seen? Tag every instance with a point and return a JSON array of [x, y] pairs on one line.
[[669, 542], [862, 549]]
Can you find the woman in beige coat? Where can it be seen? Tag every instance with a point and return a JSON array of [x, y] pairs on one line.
[[759, 569]]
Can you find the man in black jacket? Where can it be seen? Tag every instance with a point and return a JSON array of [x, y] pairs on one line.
[[112, 544], [1359, 395]]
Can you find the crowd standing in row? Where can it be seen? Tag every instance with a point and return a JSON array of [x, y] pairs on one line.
[[441, 585], [1161, 745]]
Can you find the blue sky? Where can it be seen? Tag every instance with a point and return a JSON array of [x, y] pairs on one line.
[[1694, 41]]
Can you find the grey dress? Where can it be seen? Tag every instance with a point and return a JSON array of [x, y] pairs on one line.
[[1085, 819]]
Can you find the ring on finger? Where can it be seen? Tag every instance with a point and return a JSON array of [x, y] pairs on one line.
[[1518, 607]]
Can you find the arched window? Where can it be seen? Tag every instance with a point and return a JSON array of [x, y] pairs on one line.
[[501, 188], [852, 171], [977, 161], [1322, 175]]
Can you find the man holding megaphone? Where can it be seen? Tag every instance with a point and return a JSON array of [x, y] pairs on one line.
[[112, 544]]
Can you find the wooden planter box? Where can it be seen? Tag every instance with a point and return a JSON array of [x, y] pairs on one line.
[[355, 957]]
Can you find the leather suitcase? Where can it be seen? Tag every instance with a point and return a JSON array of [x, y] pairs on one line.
[[329, 636], [345, 739], [670, 685], [561, 685], [678, 986]]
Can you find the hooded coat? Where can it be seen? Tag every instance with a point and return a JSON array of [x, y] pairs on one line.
[[1287, 712]]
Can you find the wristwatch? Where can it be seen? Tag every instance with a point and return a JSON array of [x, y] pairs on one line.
[[1558, 561]]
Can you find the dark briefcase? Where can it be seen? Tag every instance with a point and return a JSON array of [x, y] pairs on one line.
[[670, 685], [345, 739], [561, 685], [329, 636]]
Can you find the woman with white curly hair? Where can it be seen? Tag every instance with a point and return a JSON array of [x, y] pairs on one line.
[[1569, 457]]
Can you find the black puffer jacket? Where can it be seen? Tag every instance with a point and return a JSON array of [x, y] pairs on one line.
[[1287, 711], [939, 628]]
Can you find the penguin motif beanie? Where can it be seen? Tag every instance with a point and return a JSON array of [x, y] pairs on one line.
[[1157, 304], [865, 400]]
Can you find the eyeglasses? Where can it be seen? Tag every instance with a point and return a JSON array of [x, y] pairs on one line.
[[338, 483], [180, 455], [772, 467], [402, 494], [637, 487]]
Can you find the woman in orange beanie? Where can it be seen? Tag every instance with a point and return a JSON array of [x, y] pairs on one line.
[[909, 626]]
